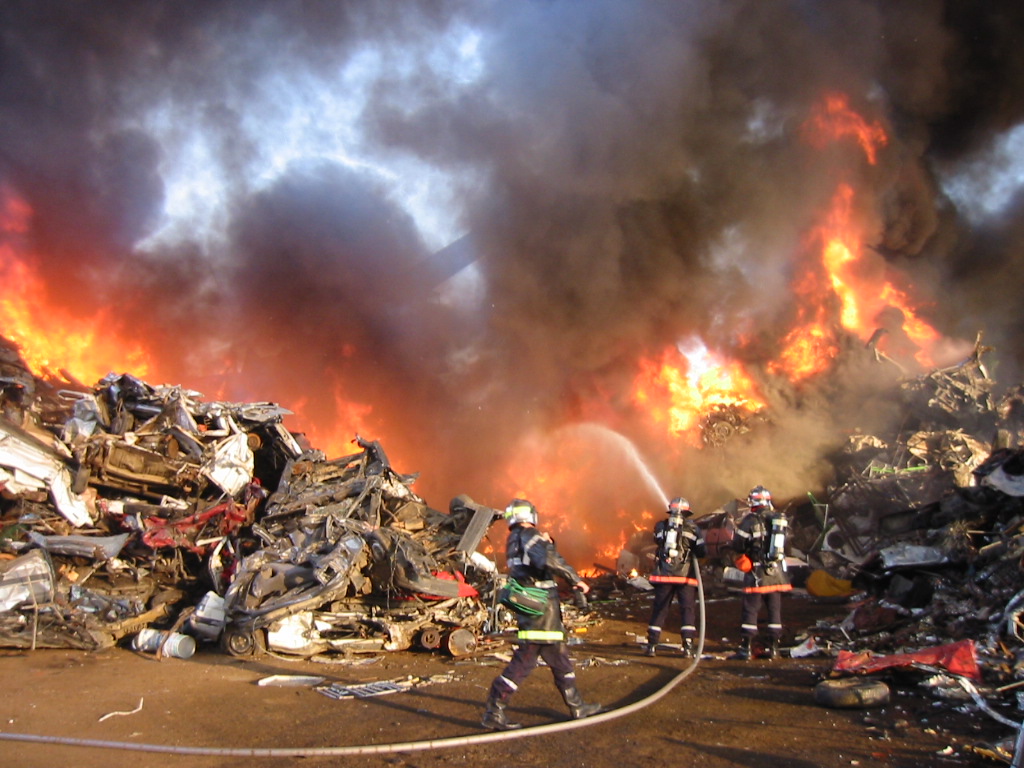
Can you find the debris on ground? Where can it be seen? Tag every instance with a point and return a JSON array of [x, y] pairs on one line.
[[380, 688], [923, 532], [919, 540], [130, 508], [127, 507]]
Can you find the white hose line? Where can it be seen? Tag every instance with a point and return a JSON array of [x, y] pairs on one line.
[[410, 746]]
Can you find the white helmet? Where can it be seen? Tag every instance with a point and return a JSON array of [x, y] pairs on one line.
[[759, 498], [520, 511], [680, 507]]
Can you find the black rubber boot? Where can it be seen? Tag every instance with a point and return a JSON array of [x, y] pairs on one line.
[[577, 707], [652, 644], [771, 652], [688, 647], [743, 653], [495, 718]]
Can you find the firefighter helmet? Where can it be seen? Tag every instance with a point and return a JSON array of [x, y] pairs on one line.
[[679, 506], [759, 497], [520, 511]]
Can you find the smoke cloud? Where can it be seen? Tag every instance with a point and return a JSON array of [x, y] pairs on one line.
[[259, 187]]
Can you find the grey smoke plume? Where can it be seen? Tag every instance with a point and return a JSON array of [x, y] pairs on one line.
[[258, 187]]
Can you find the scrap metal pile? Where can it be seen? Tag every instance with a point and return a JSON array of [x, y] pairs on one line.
[[126, 505], [924, 528]]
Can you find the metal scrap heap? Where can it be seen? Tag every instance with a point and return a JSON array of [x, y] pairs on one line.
[[923, 531], [126, 506]]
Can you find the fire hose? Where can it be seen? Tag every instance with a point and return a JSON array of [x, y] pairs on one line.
[[410, 746]]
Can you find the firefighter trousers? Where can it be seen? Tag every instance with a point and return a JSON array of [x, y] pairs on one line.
[[664, 594], [752, 602], [524, 661]]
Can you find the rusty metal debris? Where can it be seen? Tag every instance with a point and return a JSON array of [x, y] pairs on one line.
[[919, 537], [127, 506], [727, 420], [927, 525]]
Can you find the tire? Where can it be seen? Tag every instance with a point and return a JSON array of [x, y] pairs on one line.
[[242, 643], [430, 638], [851, 693]]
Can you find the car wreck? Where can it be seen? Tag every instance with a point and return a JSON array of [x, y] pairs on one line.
[[128, 506], [350, 559]]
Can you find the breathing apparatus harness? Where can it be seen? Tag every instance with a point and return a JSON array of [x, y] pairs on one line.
[[675, 548], [529, 599], [778, 529]]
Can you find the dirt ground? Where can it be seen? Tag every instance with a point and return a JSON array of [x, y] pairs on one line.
[[724, 713]]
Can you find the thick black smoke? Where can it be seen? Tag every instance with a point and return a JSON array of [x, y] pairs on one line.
[[631, 173]]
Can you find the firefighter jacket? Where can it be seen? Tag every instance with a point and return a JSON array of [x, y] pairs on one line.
[[674, 560], [753, 539], [534, 561]]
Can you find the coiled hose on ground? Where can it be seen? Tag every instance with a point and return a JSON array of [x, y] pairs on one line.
[[410, 746]]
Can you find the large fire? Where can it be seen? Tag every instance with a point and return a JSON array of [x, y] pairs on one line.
[[51, 340], [841, 286], [687, 382], [846, 286], [60, 346]]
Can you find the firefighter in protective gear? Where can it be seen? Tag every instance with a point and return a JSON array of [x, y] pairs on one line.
[[533, 564], [761, 543], [680, 543]]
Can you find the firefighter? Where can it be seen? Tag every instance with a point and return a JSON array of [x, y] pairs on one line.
[[680, 543], [533, 564], [761, 544]]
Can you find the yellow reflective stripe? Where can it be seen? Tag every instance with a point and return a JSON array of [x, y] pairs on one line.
[[541, 634]]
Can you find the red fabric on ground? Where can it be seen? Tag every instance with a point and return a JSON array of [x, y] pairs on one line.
[[959, 658]]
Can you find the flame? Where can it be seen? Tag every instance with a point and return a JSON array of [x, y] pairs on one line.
[[549, 483], [861, 286], [841, 285], [848, 287], [335, 436], [686, 383], [52, 341], [833, 120]]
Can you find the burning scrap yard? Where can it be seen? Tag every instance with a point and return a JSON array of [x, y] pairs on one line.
[[133, 514], [128, 506], [296, 297]]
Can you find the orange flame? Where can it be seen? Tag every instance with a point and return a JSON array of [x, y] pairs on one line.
[[851, 287], [49, 338], [848, 287], [681, 387], [834, 120]]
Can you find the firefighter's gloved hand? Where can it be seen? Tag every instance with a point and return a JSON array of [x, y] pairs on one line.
[[579, 598], [744, 563]]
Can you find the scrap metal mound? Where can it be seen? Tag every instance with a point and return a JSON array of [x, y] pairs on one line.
[[125, 506], [923, 532]]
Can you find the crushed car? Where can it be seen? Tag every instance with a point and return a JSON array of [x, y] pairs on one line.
[[127, 506]]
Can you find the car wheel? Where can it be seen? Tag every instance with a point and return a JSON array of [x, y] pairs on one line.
[[243, 643]]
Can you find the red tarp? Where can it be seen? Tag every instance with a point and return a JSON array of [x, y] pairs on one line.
[[959, 658]]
